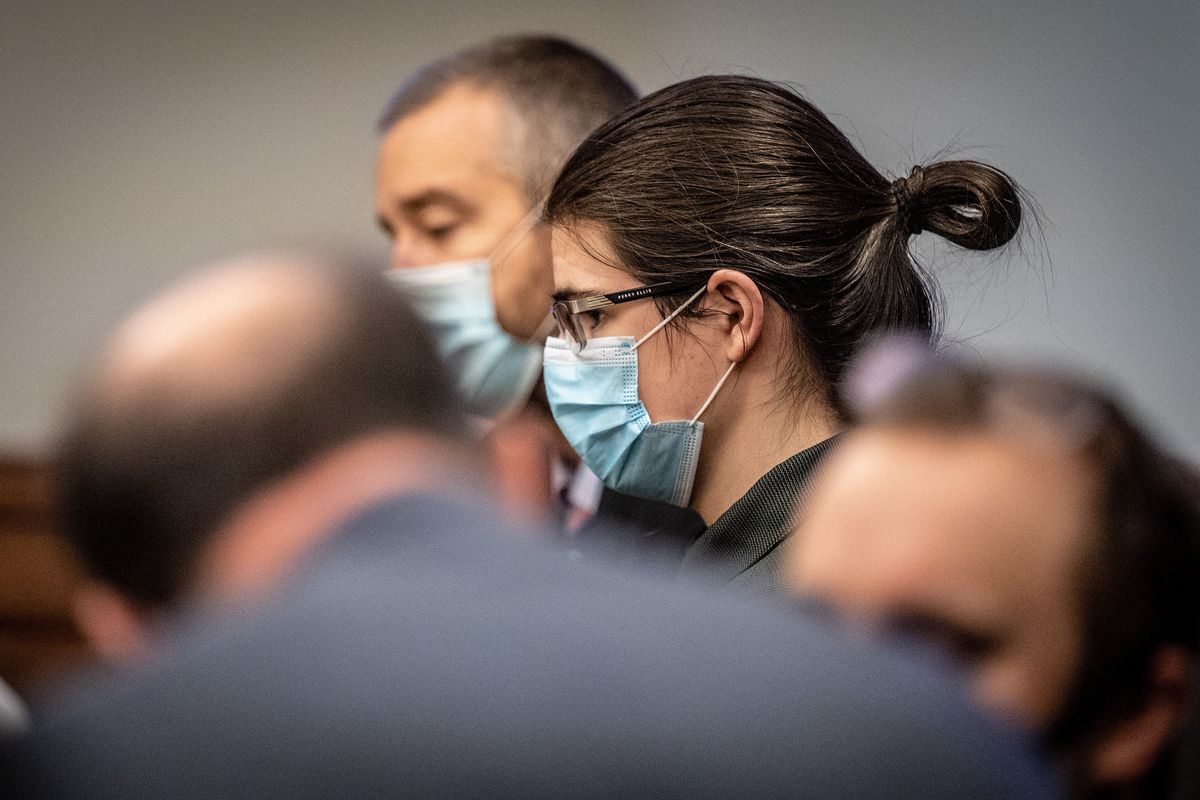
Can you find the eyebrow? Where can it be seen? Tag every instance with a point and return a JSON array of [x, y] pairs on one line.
[[935, 624], [434, 197], [571, 293]]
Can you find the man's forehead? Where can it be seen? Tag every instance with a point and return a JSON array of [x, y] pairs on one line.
[[458, 135]]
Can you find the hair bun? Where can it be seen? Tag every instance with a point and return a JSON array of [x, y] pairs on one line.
[[971, 204]]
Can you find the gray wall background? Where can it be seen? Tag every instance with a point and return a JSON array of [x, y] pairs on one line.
[[140, 139]]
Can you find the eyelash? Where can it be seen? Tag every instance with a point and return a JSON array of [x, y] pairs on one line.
[[967, 648], [593, 317]]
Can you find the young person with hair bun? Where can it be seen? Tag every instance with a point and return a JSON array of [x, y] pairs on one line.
[[721, 250]]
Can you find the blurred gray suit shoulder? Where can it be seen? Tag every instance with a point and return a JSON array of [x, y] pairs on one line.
[[422, 654]]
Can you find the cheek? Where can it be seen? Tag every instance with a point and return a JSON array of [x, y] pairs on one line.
[[653, 391], [668, 384], [473, 239], [522, 283], [1029, 687], [1034, 673], [521, 265]]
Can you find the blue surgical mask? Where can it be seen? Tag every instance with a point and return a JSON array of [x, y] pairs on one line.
[[594, 398], [494, 373]]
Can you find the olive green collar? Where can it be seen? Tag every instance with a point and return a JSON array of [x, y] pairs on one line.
[[755, 525]]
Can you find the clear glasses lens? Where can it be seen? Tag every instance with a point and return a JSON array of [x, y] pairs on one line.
[[569, 326]]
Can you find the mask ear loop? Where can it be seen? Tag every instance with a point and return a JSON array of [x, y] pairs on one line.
[[670, 317], [505, 247], [713, 394], [546, 329]]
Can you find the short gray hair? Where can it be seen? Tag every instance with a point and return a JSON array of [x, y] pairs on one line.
[[556, 91]]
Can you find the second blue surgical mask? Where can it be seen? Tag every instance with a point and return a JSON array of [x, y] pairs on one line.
[[494, 372]]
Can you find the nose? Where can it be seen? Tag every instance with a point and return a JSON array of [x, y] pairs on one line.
[[414, 250], [402, 255]]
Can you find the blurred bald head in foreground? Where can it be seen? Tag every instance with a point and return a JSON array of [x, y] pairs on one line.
[[213, 408]]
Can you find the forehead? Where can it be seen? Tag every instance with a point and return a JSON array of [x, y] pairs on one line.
[[458, 139], [216, 336], [584, 259], [915, 518]]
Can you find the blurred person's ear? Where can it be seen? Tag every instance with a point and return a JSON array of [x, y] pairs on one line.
[[114, 626], [1132, 744]]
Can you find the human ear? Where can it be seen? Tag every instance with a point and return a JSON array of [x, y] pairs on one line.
[[114, 626], [735, 295], [1131, 745]]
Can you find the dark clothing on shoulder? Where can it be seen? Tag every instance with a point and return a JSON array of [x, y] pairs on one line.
[[423, 654], [662, 530], [742, 547]]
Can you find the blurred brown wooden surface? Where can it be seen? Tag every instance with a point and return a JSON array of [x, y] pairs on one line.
[[37, 573]]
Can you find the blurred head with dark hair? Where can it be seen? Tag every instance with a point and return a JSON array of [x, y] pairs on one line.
[[233, 419], [1022, 519]]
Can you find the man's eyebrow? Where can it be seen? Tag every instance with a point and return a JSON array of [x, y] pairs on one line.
[[917, 620], [434, 197]]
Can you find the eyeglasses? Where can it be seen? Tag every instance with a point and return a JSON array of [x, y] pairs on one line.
[[566, 312]]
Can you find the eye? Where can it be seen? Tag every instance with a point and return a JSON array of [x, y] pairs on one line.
[[967, 644], [441, 232], [591, 318], [967, 647]]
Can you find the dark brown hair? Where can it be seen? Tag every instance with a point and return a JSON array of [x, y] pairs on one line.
[[737, 172], [556, 91]]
